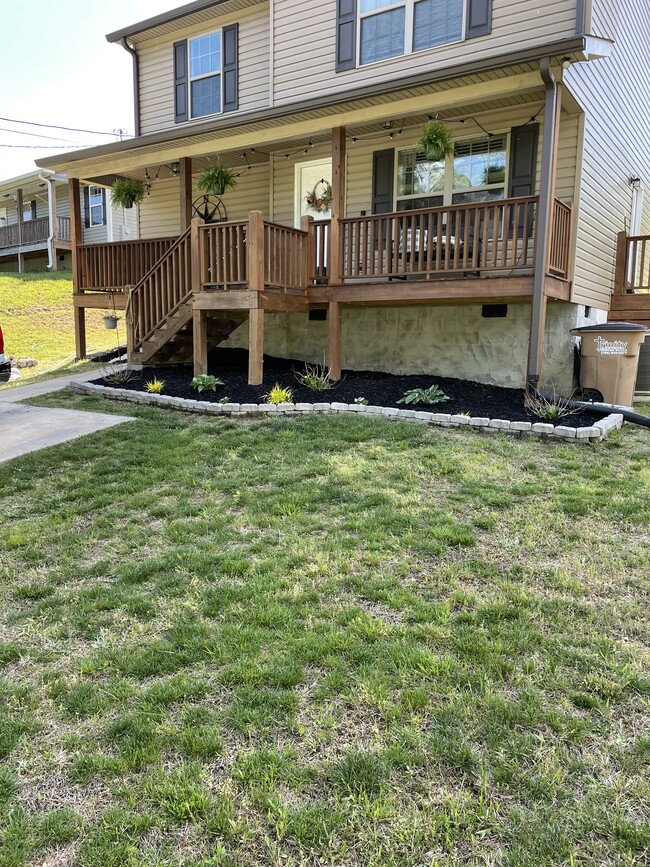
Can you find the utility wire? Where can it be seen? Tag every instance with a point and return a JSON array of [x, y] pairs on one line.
[[46, 147], [54, 126], [35, 134]]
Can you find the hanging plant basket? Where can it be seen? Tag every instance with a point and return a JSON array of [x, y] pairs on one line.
[[437, 141], [216, 179], [110, 322], [127, 192], [319, 199]]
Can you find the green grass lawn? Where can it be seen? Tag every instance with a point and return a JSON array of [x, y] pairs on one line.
[[36, 316], [324, 641]]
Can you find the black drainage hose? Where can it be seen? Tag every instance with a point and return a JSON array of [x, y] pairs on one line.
[[600, 408]]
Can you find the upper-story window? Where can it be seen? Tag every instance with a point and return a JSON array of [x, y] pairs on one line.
[[475, 173], [205, 75], [389, 28]]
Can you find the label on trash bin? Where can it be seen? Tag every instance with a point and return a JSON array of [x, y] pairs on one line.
[[611, 347]]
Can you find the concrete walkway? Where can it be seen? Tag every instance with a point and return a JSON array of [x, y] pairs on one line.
[[26, 429]]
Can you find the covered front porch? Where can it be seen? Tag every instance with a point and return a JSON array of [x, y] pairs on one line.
[[398, 230]]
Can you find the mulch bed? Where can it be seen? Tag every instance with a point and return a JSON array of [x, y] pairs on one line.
[[379, 389]]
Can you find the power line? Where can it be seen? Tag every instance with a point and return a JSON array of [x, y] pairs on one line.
[[46, 147], [54, 126], [35, 134]]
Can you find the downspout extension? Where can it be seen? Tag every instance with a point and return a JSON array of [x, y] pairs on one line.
[[136, 83], [537, 319], [49, 180]]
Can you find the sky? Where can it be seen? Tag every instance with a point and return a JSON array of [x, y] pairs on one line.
[[58, 68]]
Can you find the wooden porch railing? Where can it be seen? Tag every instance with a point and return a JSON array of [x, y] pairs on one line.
[[486, 236], [560, 246], [9, 236], [222, 254], [115, 265], [160, 293], [632, 264], [285, 257], [63, 228], [35, 231]]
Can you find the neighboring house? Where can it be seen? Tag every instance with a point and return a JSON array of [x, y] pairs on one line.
[[35, 221], [474, 266]]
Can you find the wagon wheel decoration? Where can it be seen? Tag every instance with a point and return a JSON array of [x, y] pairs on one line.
[[209, 208]]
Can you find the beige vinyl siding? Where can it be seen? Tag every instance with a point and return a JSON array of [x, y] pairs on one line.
[[615, 94], [160, 213], [157, 70], [305, 45], [125, 223], [359, 159]]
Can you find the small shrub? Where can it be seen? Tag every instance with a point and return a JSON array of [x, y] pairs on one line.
[[278, 394], [155, 386], [548, 409], [361, 401], [225, 399], [316, 377], [429, 396], [205, 383]]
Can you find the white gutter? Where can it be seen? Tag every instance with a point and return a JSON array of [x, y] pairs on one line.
[[51, 254]]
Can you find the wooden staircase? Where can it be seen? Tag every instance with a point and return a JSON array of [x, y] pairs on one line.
[[631, 299]]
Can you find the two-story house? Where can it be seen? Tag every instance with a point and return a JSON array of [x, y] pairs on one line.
[[342, 241], [35, 221]]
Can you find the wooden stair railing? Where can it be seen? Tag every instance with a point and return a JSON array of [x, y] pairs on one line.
[[157, 306]]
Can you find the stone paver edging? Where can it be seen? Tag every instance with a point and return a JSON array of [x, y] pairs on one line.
[[596, 432]]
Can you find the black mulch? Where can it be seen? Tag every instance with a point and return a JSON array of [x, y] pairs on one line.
[[379, 389]]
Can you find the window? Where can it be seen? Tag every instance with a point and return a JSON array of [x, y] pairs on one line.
[[475, 173], [205, 75], [3, 216], [389, 28], [29, 211], [96, 206]]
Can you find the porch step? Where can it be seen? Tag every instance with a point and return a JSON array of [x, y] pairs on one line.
[[177, 346]]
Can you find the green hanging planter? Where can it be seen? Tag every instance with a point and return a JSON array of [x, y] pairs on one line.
[[436, 141], [216, 179], [127, 192]]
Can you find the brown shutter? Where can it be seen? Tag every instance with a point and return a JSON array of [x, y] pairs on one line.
[[346, 34], [181, 113], [479, 18], [230, 67], [383, 167]]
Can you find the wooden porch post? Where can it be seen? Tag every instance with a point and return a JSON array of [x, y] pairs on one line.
[[255, 260], [76, 238], [200, 339], [334, 340], [186, 192], [338, 205], [21, 218], [621, 263]]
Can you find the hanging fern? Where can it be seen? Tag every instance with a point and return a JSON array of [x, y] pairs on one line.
[[436, 142], [216, 179], [127, 192]]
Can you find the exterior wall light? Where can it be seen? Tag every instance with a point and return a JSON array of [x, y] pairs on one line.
[[635, 182]]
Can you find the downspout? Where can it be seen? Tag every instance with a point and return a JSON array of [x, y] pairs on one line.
[[136, 83], [49, 180], [538, 312]]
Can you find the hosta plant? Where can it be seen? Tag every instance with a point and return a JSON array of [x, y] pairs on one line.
[[206, 382], [433, 394]]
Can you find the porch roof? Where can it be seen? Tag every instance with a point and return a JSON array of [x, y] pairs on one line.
[[407, 98]]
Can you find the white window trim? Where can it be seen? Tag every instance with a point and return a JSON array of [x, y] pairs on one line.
[[191, 78], [409, 22], [102, 205], [448, 190]]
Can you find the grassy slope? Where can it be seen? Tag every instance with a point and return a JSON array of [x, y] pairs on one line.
[[324, 641], [37, 320]]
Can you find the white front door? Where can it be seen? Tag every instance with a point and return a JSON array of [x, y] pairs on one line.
[[314, 177]]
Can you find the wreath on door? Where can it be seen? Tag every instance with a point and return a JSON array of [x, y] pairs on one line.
[[319, 199]]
